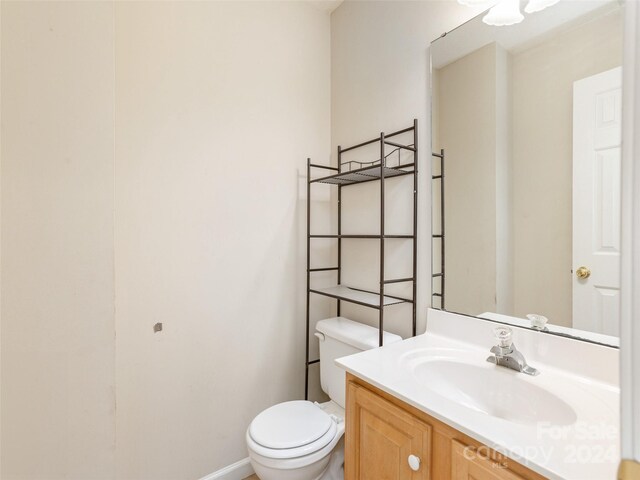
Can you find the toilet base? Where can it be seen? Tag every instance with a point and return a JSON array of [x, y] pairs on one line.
[[330, 467], [335, 470]]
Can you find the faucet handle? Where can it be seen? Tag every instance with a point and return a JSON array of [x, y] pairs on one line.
[[538, 322], [503, 334]]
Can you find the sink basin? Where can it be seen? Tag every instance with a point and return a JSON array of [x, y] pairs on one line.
[[495, 391]]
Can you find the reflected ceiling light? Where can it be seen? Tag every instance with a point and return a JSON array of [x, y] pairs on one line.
[[506, 12], [539, 5]]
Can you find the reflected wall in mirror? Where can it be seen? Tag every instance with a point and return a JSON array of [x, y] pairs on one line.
[[529, 119]]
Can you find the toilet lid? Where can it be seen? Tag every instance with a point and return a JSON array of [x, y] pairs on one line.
[[290, 425]]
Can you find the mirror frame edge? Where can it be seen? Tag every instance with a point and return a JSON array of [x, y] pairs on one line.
[[630, 281]]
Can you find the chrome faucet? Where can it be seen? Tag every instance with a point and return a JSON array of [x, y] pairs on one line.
[[505, 353]]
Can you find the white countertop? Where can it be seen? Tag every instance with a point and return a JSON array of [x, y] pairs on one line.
[[587, 449]]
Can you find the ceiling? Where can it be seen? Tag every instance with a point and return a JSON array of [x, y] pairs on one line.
[[475, 34]]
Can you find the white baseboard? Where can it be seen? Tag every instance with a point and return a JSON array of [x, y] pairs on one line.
[[235, 471]]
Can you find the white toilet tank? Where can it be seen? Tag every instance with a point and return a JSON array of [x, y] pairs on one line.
[[340, 337]]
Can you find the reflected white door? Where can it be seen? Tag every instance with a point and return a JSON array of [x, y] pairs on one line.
[[596, 202]]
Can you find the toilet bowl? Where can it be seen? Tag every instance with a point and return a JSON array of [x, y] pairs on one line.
[[298, 440], [301, 440]]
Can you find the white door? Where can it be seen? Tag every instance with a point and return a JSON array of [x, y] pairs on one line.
[[597, 138]]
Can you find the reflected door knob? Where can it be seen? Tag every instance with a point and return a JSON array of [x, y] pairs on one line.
[[583, 273], [414, 463]]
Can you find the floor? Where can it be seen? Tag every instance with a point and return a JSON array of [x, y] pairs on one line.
[[252, 477]]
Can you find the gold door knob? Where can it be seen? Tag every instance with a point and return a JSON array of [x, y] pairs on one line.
[[583, 273]]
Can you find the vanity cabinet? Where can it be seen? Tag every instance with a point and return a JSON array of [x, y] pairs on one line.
[[468, 464], [384, 438], [387, 439]]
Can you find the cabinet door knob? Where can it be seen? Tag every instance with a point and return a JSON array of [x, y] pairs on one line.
[[414, 462]]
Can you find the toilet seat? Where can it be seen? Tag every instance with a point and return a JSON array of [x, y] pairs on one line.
[[290, 430]]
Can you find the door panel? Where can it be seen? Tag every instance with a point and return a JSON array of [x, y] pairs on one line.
[[467, 464], [380, 438], [596, 201]]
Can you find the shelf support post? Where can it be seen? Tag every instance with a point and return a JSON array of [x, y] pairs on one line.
[[306, 363], [442, 284], [381, 311], [415, 223], [339, 229]]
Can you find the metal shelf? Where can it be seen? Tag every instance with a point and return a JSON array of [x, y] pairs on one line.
[[366, 174], [378, 237], [359, 297], [384, 166]]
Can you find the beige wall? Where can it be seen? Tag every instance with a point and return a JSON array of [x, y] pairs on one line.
[[504, 188], [467, 99], [182, 129], [58, 363], [380, 82], [542, 82], [217, 105], [472, 123]]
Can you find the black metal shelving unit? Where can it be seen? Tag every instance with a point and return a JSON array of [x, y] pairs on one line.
[[439, 236], [353, 172]]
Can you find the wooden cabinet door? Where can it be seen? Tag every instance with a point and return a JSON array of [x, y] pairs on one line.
[[468, 464], [381, 437]]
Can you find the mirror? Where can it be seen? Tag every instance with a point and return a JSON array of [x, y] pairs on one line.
[[526, 208]]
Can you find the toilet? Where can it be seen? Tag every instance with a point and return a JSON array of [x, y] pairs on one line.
[[302, 440]]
